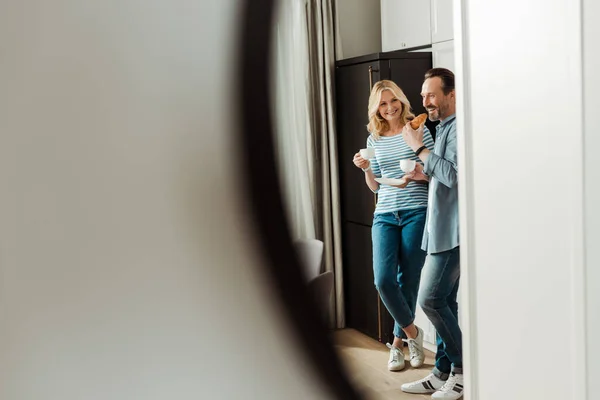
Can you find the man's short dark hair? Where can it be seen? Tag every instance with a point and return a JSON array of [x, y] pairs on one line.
[[445, 75]]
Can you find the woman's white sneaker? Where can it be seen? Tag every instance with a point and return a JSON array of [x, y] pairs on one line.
[[415, 348], [396, 361], [452, 390], [429, 384]]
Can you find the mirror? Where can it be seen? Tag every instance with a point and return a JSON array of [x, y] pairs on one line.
[[357, 184]]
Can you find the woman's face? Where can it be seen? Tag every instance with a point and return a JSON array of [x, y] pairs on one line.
[[390, 107]]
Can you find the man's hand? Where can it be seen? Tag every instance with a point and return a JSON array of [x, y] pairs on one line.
[[360, 162], [413, 138], [417, 174]]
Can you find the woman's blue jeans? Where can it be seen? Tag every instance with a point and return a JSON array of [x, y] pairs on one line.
[[397, 262]]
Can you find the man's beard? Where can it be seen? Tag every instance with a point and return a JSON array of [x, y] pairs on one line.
[[434, 114], [438, 113]]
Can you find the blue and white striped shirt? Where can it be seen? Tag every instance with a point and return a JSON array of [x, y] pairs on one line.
[[389, 150]]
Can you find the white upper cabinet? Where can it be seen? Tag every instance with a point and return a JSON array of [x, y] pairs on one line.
[[442, 27], [405, 24], [443, 55]]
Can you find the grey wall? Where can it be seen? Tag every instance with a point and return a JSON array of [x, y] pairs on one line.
[[128, 265]]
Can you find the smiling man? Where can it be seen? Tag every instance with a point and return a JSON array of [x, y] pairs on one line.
[[441, 272]]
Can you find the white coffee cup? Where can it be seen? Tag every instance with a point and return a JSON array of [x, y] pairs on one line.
[[407, 165], [367, 153]]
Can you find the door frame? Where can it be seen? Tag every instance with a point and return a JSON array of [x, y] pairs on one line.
[[468, 318]]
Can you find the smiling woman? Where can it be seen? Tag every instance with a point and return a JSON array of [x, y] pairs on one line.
[[399, 218], [388, 106]]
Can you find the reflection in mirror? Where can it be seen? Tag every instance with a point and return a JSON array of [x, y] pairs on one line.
[[358, 179]]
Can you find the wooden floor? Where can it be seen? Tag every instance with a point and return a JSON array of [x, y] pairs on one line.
[[366, 360]]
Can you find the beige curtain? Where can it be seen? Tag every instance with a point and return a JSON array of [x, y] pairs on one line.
[[294, 137], [321, 44], [304, 59]]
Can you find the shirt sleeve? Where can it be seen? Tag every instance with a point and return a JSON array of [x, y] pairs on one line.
[[374, 164], [444, 169], [427, 139], [428, 142]]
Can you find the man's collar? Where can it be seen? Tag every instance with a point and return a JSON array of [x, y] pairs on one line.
[[447, 119]]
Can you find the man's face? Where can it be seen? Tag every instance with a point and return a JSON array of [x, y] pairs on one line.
[[438, 105]]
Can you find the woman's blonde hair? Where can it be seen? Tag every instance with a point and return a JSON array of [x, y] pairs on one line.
[[377, 124]]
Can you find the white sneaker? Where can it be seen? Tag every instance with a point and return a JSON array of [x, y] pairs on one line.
[[396, 361], [453, 388], [415, 348], [429, 384]]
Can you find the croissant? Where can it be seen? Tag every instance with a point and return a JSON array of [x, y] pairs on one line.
[[418, 121]]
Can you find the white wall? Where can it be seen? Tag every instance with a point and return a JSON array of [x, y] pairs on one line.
[[523, 123], [591, 32], [127, 263], [359, 28]]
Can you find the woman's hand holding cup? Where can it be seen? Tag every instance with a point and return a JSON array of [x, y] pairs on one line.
[[361, 159], [361, 162]]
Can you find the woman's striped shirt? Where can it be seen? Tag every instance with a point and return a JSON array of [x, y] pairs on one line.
[[389, 150]]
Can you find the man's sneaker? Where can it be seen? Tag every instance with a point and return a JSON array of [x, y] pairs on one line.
[[415, 348], [452, 389], [429, 384], [396, 361]]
